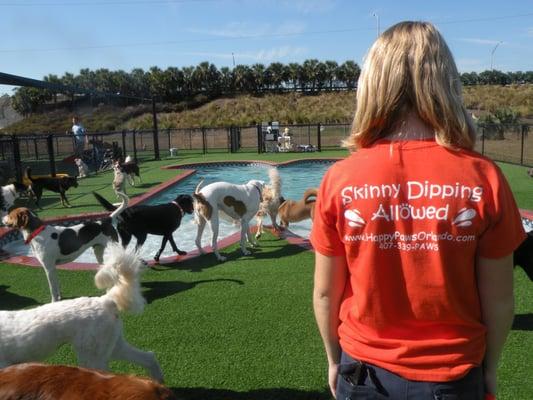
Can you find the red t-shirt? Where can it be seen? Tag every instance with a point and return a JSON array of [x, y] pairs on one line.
[[410, 217]]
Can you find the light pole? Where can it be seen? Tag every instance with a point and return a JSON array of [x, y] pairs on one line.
[[377, 23], [233, 56], [492, 54]]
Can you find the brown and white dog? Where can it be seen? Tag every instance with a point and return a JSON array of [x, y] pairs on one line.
[[34, 381], [119, 178], [53, 244], [295, 211], [271, 200], [239, 202]]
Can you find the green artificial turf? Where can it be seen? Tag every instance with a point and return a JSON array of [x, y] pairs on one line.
[[242, 329]]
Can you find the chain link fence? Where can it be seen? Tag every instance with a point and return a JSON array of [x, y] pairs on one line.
[[54, 153]]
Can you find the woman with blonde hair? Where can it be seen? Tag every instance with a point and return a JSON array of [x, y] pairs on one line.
[[414, 234]]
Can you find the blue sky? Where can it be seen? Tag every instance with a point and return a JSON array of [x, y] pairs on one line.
[[57, 36]]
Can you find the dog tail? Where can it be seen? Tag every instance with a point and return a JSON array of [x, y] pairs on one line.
[[106, 204], [311, 192], [197, 189], [114, 215], [275, 182], [120, 276]]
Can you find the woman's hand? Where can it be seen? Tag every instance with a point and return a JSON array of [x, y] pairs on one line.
[[333, 371], [489, 378]]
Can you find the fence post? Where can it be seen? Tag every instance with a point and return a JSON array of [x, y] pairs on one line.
[[16, 158], [318, 137], [134, 146], [124, 152], [259, 139], [36, 149], [156, 132], [51, 156], [523, 131], [204, 141], [169, 140]]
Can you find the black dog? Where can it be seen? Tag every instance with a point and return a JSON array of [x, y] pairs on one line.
[[161, 219], [523, 255], [58, 184]]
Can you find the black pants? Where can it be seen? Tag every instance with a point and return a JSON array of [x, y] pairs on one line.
[[358, 380]]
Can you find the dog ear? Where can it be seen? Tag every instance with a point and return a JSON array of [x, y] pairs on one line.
[[23, 217]]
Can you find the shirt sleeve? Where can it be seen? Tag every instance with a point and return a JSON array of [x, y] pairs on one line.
[[324, 234], [505, 231]]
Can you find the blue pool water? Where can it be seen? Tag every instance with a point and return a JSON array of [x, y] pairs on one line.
[[295, 179]]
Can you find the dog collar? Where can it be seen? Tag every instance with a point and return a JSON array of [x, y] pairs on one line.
[[181, 209], [260, 193], [34, 233]]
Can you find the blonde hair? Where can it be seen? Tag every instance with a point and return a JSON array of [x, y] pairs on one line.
[[410, 69]]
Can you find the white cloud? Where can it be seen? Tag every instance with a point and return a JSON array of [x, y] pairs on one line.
[[240, 29], [529, 31], [262, 55], [311, 6], [481, 41]]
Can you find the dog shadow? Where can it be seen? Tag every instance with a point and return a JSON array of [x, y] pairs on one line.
[[160, 289], [256, 394], [11, 301], [523, 322]]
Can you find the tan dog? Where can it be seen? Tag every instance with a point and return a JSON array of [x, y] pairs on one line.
[[271, 200], [295, 211], [41, 381]]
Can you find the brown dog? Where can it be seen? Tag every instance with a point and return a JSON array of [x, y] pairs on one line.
[[41, 381], [295, 211]]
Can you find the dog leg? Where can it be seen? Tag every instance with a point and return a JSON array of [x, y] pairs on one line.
[[124, 351], [163, 244], [53, 281], [274, 223], [244, 237], [99, 253], [175, 248], [141, 238], [199, 232], [259, 227], [251, 238], [213, 224]]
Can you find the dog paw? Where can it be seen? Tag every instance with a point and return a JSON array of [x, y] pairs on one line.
[[221, 258], [246, 252], [182, 253]]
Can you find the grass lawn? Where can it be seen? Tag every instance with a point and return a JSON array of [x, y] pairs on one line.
[[243, 329]]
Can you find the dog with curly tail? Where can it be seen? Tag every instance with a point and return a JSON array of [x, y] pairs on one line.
[[92, 325]]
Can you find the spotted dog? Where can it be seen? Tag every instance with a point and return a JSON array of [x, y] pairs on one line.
[[54, 245], [271, 200], [239, 202]]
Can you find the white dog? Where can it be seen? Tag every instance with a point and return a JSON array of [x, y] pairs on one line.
[[91, 324], [83, 169], [239, 202], [8, 195], [53, 245]]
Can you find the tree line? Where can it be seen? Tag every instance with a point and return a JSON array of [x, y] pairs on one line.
[[174, 85]]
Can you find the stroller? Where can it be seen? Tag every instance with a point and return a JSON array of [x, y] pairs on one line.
[[100, 157]]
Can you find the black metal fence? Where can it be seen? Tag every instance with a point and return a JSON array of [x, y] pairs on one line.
[[51, 154]]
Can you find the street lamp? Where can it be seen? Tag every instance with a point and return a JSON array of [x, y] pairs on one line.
[[377, 22], [233, 56], [492, 54]]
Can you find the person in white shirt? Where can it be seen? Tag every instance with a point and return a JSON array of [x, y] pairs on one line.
[[80, 137]]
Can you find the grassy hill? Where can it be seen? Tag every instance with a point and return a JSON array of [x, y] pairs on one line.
[[289, 108]]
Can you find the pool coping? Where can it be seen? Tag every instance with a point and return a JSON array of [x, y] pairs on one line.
[[188, 170]]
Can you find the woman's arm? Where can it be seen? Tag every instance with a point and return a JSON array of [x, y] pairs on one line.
[[331, 274], [495, 286]]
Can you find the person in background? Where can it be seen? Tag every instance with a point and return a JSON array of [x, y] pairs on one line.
[[413, 235], [80, 137]]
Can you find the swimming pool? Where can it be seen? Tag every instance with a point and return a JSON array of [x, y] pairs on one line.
[[295, 177]]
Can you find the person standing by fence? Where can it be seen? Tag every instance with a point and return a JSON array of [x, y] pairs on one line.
[[414, 236], [80, 136]]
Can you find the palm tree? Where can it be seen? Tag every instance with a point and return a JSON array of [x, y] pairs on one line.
[[331, 72]]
